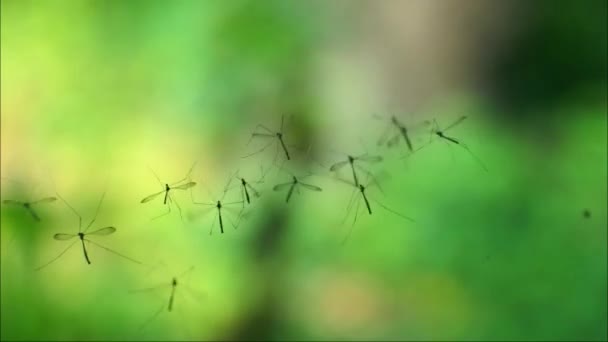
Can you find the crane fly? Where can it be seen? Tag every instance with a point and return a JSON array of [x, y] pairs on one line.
[[172, 285], [277, 137], [28, 205], [295, 184], [437, 131], [399, 131], [247, 190], [182, 184], [352, 161], [219, 206], [363, 195], [82, 237]]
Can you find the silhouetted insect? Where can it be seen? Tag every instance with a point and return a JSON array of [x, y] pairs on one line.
[[352, 161], [169, 306], [295, 184], [82, 237], [362, 191], [179, 185], [220, 205], [275, 137], [247, 190], [397, 131], [28, 205], [441, 134]]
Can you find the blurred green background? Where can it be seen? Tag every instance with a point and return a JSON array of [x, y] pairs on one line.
[[94, 93]]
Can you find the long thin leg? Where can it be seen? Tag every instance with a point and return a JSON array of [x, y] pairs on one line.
[[179, 209], [474, 157], [155, 176], [393, 211], [113, 252], [352, 226], [260, 150], [96, 213], [74, 211], [162, 307], [350, 205], [165, 214], [187, 175], [57, 257]]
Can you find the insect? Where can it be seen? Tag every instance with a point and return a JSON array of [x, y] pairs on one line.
[[351, 160], [247, 190], [363, 195], [28, 205], [176, 282], [397, 131], [295, 184], [82, 237], [441, 134], [262, 131], [182, 184], [220, 205]]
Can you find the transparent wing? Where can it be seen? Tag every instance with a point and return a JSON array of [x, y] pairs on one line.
[[394, 140], [103, 231], [151, 289], [184, 186], [63, 237], [45, 200], [370, 159], [151, 197], [310, 187], [385, 134], [194, 215], [338, 165], [345, 181], [12, 202]]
